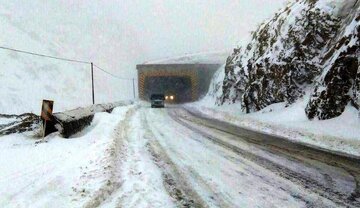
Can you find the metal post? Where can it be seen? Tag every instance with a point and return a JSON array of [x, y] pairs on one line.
[[133, 80], [92, 82]]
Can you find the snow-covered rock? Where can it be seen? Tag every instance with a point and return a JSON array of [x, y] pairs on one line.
[[340, 80], [311, 44]]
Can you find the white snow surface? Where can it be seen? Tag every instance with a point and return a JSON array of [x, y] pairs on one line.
[[60, 172], [112, 164], [142, 182], [211, 170], [25, 80], [218, 57], [340, 134]]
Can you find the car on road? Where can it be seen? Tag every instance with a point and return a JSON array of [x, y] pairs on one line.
[[170, 98], [157, 100]]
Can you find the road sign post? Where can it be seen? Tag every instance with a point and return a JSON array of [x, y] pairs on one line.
[[46, 113]]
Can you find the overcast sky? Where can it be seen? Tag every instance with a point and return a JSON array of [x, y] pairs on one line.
[[172, 27], [120, 34]]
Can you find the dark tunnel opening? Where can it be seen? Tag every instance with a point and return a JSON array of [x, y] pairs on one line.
[[178, 87]]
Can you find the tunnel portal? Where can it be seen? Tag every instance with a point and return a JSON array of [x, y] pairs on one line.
[[176, 86], [186, 82]]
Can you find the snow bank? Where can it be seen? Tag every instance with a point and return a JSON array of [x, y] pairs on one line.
[[218, 57], [60, 172], [340, 134]]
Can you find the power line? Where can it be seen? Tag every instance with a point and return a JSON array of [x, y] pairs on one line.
[[43, 55], [72, 60], [62, 59], [112, 74]]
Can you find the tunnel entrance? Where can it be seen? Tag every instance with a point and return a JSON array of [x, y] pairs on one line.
[[176, 86], [188, 82]]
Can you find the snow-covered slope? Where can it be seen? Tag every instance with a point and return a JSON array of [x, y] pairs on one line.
[[310, 45], [218, 57], [25, 80]]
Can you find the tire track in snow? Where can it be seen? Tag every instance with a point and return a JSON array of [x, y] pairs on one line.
[[141, 179], [113, 183], [239, 152], [176, 185], [235, 186], [298, 152], [308, 183]]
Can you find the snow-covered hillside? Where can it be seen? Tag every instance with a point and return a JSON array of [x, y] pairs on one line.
[[311, 45], [298, 77], [25, 80]]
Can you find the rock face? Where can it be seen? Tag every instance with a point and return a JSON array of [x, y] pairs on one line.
[[311, 44], [339, 83]]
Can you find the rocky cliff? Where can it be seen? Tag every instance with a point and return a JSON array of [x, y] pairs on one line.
[[311, 45]]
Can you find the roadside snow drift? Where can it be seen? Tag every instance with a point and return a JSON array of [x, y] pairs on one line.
[[60, 172]]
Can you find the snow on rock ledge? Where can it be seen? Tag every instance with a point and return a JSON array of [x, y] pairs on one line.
[[311, 44], [340, 82]]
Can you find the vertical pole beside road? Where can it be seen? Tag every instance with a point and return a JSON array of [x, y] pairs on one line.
[[133, 81], [92, 82], [46, 114], [44, 130]]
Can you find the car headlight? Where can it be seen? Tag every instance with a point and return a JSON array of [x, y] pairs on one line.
[[171, 97], [166, 97]]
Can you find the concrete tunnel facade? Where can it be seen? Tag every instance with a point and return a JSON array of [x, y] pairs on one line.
[[186, 82]]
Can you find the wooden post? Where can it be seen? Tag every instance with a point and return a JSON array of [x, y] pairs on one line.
[[133, 81], [92, 82], [46, 113], [44, 128]]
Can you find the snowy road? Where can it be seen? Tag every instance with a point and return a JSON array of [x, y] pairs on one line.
[[172, 157]]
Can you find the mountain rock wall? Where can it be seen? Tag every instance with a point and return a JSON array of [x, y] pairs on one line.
[[309, 45]]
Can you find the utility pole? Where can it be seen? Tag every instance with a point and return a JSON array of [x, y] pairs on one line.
[[92, 82], [133, 81]]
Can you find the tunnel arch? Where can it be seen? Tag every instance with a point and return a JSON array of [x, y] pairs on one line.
[[199, 76], [187, 74]]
